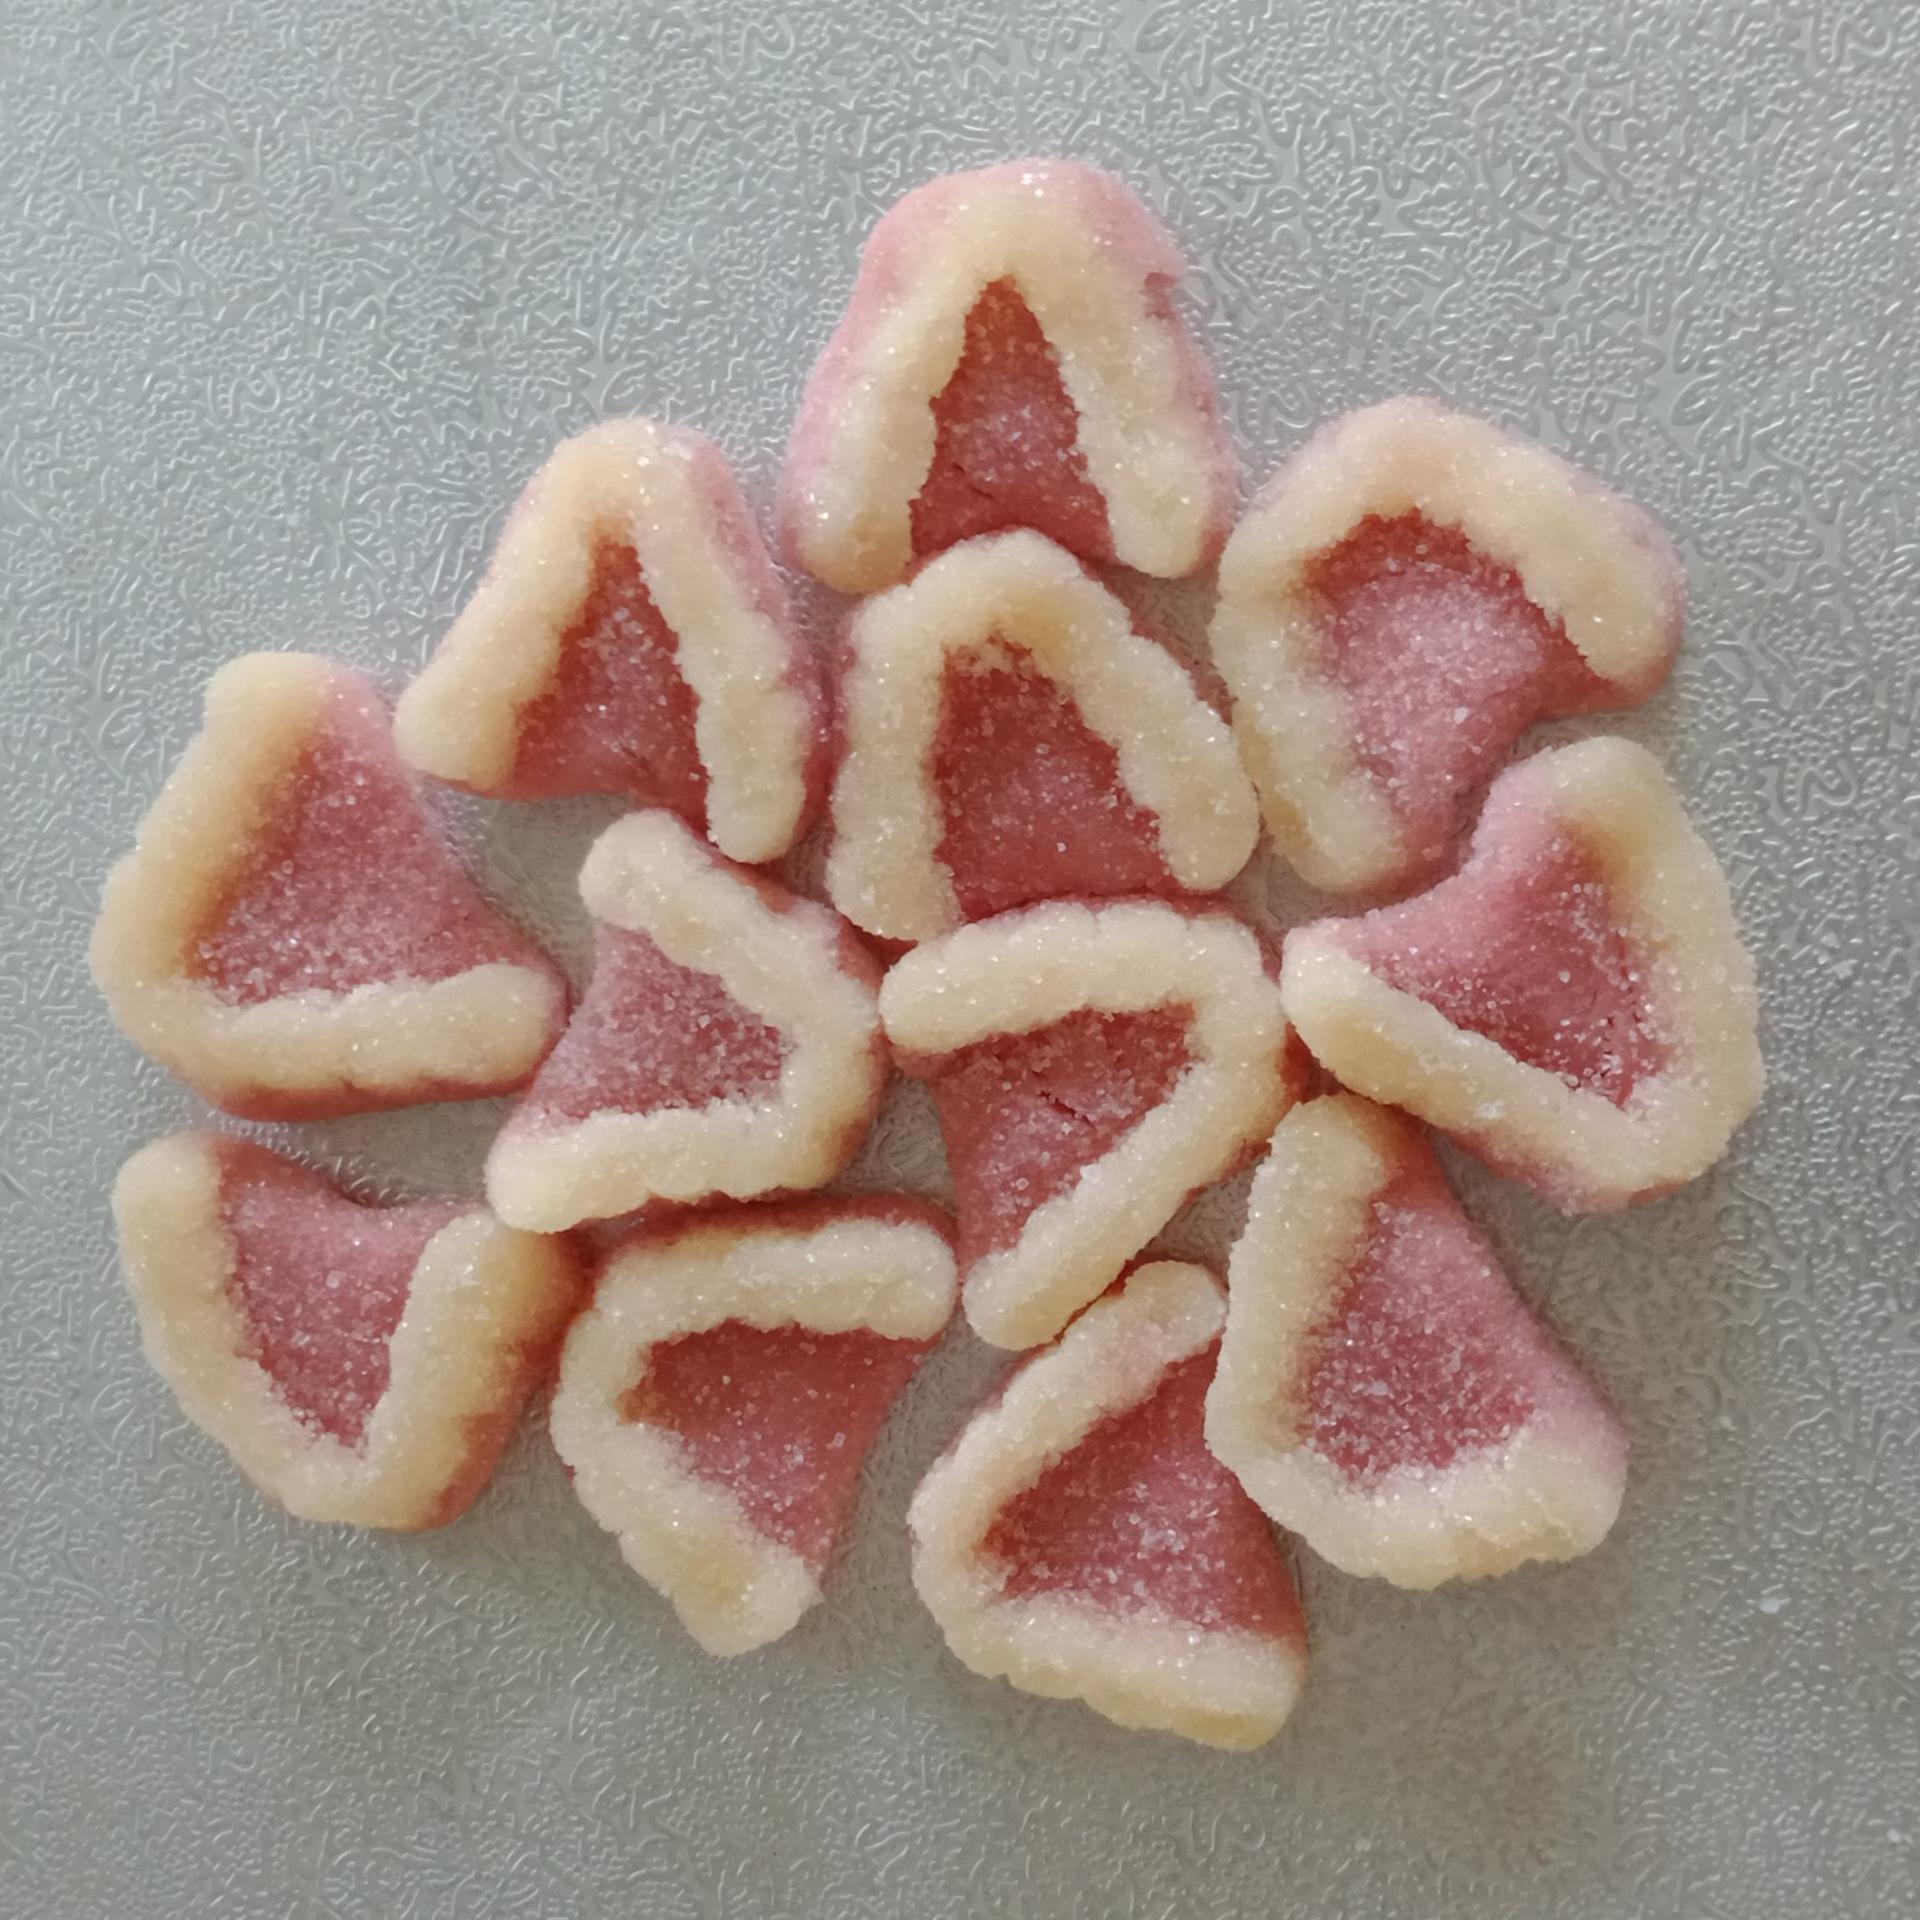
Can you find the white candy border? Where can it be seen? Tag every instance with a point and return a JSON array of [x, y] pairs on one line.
[[865, 440], [733, 1587], [1550, 1491], [481, 1294], [1579, 1148], [651, 487], [1176, 756], [1585, 556], [1224, 1688], [1029, 969], [649, 873], [485, 1028]]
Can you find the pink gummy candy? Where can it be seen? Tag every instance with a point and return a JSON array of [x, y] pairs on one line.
[[1382, 1390], [293, 935], [1094, 1065], [1079, 1538], [717, 1401], [727, 1044], [1010, 356], [361, 1364], [1008, 734], [1574, 1004], [631, 636], [1413, 590]]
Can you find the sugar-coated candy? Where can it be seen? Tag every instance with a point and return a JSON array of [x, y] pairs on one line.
[[1079, 1539], [1383, 1392], [727, 1045], [1007, 735], [1574, 1004], [1413, 590], [361, 1364], [293, 935], [718, 1397], [1010, 356], [631, 636], [1094, 1064]]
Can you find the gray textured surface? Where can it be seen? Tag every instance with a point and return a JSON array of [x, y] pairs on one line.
[[293, 296]]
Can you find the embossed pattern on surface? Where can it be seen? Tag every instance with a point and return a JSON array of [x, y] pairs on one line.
[[292, 298]]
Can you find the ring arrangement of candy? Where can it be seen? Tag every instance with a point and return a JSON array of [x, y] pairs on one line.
[[1034, 808]]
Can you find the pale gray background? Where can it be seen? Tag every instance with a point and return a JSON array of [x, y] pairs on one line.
[[293, 296]]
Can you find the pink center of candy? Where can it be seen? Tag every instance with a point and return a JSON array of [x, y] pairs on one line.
[[320, 1284], [1141, 1518], [1032, 804], [781, 1417], [651, 1033], [1021, 1115], [619, 715], [1443, 659], [349, 882], [1426, 1352], [1526, 947], [1006, 441]]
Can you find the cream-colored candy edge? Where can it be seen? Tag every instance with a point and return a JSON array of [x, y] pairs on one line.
[[1224, 1688], [1032, 968], [1395, 1048], [1569, 541], [480, 1293], [482, 1027], [732, 1586], [633, 481], [1176, 756], [1148, 449], [648, 873], [1550, 1492]]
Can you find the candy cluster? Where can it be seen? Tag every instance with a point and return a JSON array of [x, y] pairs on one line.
[[1035, 806]]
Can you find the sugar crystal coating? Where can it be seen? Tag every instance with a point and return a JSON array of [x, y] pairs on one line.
[[319, 1284], [361, 1364], [1007, 445], [718, 1398], [1382, 1389], [1141, 1519], [1573, 1004], [1079, 1539], [727, 1043], [293, 935], [619, 715], [631, 636], [1023, 1114], [1412, 591], [1033, 803], [1008, 734], [1094, 1064]]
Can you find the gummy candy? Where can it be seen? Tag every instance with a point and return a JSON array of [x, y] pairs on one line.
[[1007, 735], [1010, 357], [718, 1397], [293, 936], [1382, 1390], [1412, 591], [727, 1044], [1080, 1540], [361, 1364], [1094, 1064], [631, 636], [1574, 1004]]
